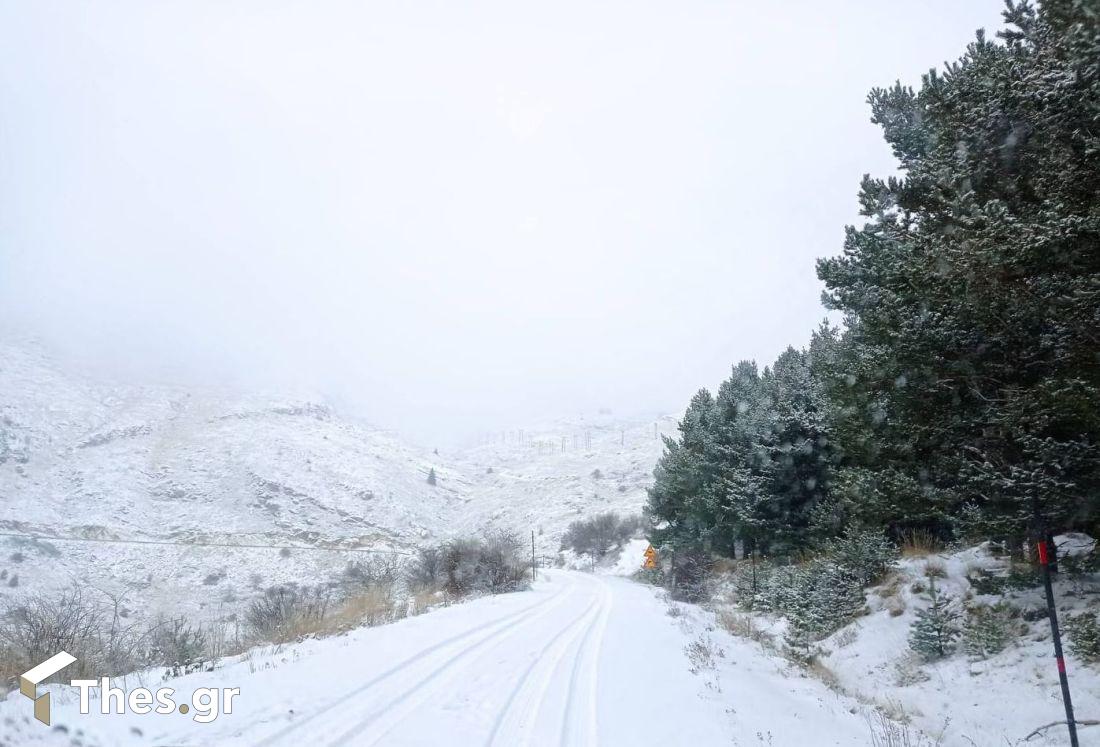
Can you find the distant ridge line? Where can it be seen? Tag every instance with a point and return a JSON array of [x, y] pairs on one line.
[[171, 543]]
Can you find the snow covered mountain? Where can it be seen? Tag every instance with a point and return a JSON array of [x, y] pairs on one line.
[[124, 468]]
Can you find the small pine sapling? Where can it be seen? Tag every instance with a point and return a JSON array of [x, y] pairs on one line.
[[987, 629], [934, 631], [1084, 636]]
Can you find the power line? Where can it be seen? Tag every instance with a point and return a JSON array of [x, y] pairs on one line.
[[170, 543]]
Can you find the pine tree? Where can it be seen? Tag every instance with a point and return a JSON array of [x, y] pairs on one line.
[[431, 476], [837, 598], [970, 295], [792, 596], [681, 501], [934, 631], [795, 439], [864, 554], [986, 630], [1084, 636]]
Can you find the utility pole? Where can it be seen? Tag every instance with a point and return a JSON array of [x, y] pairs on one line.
[[534, 572]]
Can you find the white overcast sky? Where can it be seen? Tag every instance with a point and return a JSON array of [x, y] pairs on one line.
[[452, 215]]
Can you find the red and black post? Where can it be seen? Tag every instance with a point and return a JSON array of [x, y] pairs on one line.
[[1046, 552]]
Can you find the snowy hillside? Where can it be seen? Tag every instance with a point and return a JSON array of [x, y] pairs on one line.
[[127, 467], [998, 694], [545, 478]]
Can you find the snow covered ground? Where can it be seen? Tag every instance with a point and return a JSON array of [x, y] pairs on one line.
[[289, 483], [583, 656], [580, 660], [961, 700]]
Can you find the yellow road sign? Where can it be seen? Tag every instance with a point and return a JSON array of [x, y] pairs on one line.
[[650, 557]]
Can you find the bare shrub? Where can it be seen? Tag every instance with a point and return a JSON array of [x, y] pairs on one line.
[[377, 570], [703, 654], [886, 732], [93, 626], [598, 535], [493, 564], [285, 613], [426, 570], [37, 627], [183, 648]]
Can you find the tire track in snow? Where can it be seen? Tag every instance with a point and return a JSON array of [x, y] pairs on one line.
[[594, 671], [515, 721], [405, 663], [423, 687], [575, 729]]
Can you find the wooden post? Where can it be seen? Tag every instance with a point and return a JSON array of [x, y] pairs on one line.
[[534, 573]]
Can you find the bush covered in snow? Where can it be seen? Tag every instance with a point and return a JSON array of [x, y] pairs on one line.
[[687, 576], [500, 565], [600, 534], [491, 564]]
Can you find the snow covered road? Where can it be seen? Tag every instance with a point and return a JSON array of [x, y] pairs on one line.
[[580, 660]]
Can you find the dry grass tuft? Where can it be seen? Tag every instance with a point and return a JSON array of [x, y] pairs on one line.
[[935, 568], [374, 606], [743, 626], [891, 585], [821, 671], [920, 543], [895, 606], [425, 599]]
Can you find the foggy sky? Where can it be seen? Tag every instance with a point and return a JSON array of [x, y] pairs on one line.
[[449, 216]]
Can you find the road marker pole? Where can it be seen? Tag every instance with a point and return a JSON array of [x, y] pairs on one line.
[[1045, 546]]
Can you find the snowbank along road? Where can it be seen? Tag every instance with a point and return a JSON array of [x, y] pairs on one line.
[[579, 660]]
